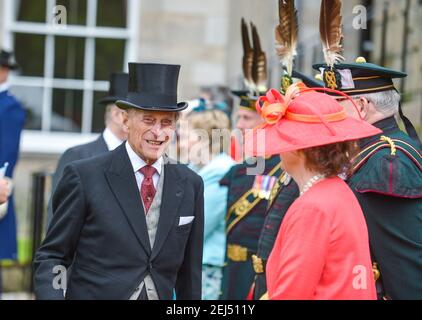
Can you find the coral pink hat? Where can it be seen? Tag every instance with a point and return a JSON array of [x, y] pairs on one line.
[[302, 119]]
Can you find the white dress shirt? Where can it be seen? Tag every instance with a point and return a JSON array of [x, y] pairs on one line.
[[138, 163], [111, 140]]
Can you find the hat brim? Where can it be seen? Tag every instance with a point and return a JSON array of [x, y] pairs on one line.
[[240, 93], [308, 81], [245, 93], [122, 104], [14, 66], [375, 69], [289, 135], [109, 99]]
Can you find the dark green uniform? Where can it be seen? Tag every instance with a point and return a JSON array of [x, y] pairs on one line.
[[243, 225], [285, 193], [388, 185]]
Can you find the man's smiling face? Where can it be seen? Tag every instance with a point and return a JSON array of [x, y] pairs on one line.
[[150, 132]]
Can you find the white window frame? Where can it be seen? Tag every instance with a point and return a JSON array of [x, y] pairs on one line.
[[45, 141]]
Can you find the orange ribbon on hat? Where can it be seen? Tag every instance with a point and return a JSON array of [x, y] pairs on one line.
[[273, 107]]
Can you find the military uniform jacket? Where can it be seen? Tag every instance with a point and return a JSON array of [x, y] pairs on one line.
[[12, 118], [286, 192], [243, 227], [388, 184]]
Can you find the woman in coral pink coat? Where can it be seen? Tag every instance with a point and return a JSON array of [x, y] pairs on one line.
[[322, 248]]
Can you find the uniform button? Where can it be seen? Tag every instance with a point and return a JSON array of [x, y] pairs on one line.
[[150, 266]]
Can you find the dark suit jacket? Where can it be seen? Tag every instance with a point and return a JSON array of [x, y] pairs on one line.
[[99, 230], [84, 151]]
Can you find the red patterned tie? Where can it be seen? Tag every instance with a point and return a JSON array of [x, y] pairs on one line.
[[147, 188]]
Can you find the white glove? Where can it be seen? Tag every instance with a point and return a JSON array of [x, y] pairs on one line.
[[6, 187]]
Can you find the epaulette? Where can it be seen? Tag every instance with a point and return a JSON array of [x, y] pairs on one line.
[[390, 167], [393, 144]]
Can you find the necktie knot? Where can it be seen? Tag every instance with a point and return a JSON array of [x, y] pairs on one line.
[[148, 171]]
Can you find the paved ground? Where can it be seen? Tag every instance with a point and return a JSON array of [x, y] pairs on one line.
[[16, 296]]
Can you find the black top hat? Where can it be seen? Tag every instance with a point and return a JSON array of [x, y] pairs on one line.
[[153, 87], [119, 82], [7, 60]]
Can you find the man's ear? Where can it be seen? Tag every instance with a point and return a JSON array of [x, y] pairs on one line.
[[363, 106], [125, 118]]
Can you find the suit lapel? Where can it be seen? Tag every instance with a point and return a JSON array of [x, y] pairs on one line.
[[101, 145], [173, 190], [121, 179]]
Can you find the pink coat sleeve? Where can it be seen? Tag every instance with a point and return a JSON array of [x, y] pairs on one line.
[[298, 258]]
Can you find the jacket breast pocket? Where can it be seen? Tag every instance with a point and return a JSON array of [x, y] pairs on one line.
[[184, 228]]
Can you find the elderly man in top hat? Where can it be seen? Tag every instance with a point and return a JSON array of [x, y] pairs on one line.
[[12, 118], [113, 135], [387, 177], [129, 222]]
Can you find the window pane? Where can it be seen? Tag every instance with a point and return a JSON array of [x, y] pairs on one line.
[[112, 13], [98, 112], [29, 53], [32, 100], [31, 10], [69, 58], [67, 110], [109, 57], [76, 11]]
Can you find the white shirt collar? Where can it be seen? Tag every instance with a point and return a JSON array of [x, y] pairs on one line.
[[4, 86], [138, 163], [111, 140]]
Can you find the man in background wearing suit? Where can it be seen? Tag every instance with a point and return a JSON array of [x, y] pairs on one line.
[[129, 222], [112, 137]]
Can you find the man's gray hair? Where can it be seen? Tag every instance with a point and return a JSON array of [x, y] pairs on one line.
[[107, 114], [130, 110], [386, 102]]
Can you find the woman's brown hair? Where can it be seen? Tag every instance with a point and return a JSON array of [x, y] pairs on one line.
[[332, 159]]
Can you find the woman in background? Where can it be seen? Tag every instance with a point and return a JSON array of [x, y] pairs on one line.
[[208, 139]]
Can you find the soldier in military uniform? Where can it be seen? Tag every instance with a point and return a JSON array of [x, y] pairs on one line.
[[387, 178], [283, 195], [12, 119], [247, 203], [248, 193]]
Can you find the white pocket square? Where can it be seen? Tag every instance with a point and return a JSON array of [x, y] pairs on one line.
[[185, 220]]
